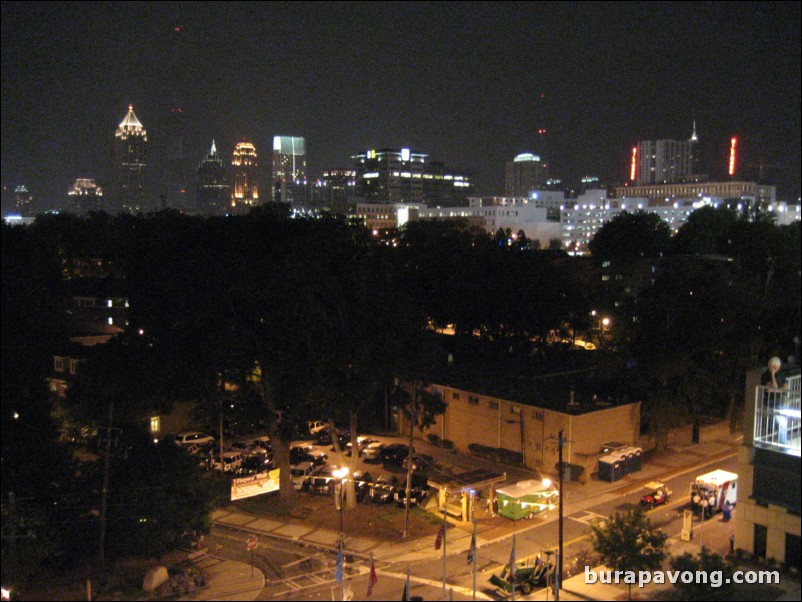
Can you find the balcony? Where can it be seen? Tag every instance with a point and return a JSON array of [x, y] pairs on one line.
[[777, 418]]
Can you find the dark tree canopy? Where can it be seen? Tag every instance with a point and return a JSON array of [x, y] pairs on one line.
[[638, 234]]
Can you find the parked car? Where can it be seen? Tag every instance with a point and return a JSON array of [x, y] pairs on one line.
[[372, 452], [419, 461], [362, 443], [301, 473], [316, 426], [263, 442], [247, 448], [394, 453], [187, 438], [323, 481], [257, 463], [419, 491], [657, 494], [362, 483], [307, 453], [232, 460], [382, 490]]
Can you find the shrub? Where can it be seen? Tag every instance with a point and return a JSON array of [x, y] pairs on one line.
[[447, 444], [497, 454], [433, 439]]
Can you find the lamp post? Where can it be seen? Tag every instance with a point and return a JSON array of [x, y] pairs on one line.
[[342, 475]]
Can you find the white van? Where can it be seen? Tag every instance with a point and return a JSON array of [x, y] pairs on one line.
[[232, 460], [300, 475], [189, 437]]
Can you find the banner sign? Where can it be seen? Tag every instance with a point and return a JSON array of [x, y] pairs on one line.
[[263, 482]]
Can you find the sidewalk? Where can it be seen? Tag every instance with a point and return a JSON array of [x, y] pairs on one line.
[[228, 580]]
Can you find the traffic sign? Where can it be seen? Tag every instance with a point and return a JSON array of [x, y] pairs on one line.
[[252, 542]]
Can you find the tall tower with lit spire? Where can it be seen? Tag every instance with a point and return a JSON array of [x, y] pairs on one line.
[[214, 190], [131, 140], [694, 150], [244, 185]]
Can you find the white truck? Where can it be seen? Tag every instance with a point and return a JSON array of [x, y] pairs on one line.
[[714, 490]]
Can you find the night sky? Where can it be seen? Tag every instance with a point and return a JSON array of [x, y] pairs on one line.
[[468, 83]]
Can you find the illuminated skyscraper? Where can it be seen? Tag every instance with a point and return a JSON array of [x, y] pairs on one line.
[[524, 174], [214, 189], [23, 202], [244, 184], [84, 196], [289, 169], [131, 145]]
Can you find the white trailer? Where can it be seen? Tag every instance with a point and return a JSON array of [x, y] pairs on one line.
[[712, 491]]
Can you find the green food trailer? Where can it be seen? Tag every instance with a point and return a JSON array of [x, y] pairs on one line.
[[526, 499]]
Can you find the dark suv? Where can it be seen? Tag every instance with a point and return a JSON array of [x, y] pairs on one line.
[[394, 454], [419, 491]]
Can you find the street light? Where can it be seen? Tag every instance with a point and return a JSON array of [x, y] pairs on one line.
[[342, 475]]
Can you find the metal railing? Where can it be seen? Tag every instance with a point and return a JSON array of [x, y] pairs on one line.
[[777, 417]]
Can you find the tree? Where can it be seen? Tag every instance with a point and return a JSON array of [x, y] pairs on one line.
[[711, 564], [638, 234], [629, 542]]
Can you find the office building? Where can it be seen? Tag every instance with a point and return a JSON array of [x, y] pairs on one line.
[[667, 193], [289, 170], [524, 174], [244, 179], [131, 146], [84, 196], [405, 176], [214, 189]]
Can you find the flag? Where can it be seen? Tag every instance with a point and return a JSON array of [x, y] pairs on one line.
[[512, 559], [338, 573], [439, 540], [406, 588], [472, 549], [373, 579]]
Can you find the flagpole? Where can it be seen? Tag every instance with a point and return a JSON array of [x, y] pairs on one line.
[[512, 568], [445, 539], [473, 544]]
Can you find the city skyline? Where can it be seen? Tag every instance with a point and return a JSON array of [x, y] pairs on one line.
[[471, 84]]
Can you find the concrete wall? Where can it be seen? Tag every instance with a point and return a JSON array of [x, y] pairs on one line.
[[532, 431]]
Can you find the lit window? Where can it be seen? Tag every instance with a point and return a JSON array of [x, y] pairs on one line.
[[155, 424], [110, 320]]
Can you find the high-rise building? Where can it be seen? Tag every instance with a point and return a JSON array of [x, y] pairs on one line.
[[214, 189], [665, 161], [23, 201], [404, 176], [131, 146], [176, 165], [338, 184], [244, 181], [84, 196], [289, 169], [524, 174]]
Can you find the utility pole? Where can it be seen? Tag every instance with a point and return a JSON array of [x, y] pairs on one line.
[[410, 459], [559, 567], [104, 496]]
